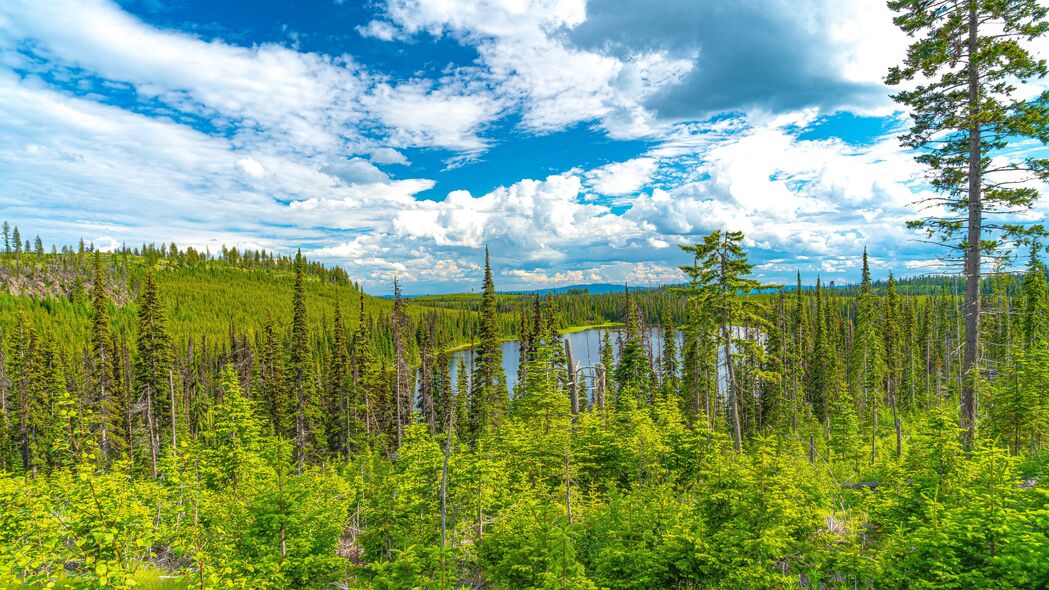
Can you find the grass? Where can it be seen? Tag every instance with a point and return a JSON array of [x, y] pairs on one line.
[[574, 329], [146, 578]]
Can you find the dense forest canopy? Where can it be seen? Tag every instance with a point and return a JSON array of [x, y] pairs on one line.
[[252, 420]]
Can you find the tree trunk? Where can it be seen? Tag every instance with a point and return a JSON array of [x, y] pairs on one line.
[[972, 250], [573, 381], [151, 430], [171, 389], [599, 388], [444, 498], [730, 374]]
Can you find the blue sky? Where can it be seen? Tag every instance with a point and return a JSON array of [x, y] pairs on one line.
[[582, 141]]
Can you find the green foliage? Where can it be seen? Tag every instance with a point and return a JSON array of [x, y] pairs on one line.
[[283, 459]]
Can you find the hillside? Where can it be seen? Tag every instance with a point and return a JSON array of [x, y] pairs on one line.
[[206, 297]]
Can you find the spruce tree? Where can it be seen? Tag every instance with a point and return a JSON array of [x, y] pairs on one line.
[[1036, 303], [718, 282], [489, 400], [822, 370], [338, 387], [152, 368], [867, 366], [670, 380], [301, 373], [107, 398], [633, 385], [893, 357]]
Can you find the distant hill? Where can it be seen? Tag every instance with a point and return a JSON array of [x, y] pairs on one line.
[[591, 288]]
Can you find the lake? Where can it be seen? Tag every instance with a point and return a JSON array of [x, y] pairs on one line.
[[586, 348]]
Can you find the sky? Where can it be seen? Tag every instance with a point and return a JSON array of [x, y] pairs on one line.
[[582, 142]]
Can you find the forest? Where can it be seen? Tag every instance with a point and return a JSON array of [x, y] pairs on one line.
[[172, 417], [159, 430]]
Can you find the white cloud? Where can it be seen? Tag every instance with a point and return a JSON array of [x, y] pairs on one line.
[[417, 113], [379, 30], [525, 56], [622, 178], [251, 167]]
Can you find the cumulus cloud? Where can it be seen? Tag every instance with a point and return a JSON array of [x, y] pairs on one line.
[[526, 57], [788, 56], [622, 178], [269, 146]]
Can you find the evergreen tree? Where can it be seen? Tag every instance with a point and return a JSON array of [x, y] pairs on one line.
[[152, 371], [669, 372], [489, 399], [308, 427], [402, 392], [969, 56], [1036, 303], [338, 387], [108, 401], [718, 281], [867, 366], [893, 357], [823, 371], [633, 384]]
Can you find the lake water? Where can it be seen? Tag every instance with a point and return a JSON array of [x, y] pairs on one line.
[[586, 350]]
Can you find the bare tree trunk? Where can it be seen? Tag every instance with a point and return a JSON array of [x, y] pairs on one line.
[[573, 381], [151, 430], [972, 250], [730, 374], [444, 497], [899, 429], [874, 431], [599, 388], [171, 387]]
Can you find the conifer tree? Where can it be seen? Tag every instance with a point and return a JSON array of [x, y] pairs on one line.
[[867, 366], [542, 397], [800, 343], [718, 281], [25, 374], [461, 403], [633, 384], [107, 398], [402, 411], [236, 440], [822, 376], [338, 387], [607, 352], [153, 367], [969, 55], [1036, 302], [775, 410], [361, 369], [489, 400], [893, 357], [300, 371], [670, 380], [273, 390]]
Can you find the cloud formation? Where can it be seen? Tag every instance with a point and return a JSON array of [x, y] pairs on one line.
[[120, 131]]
